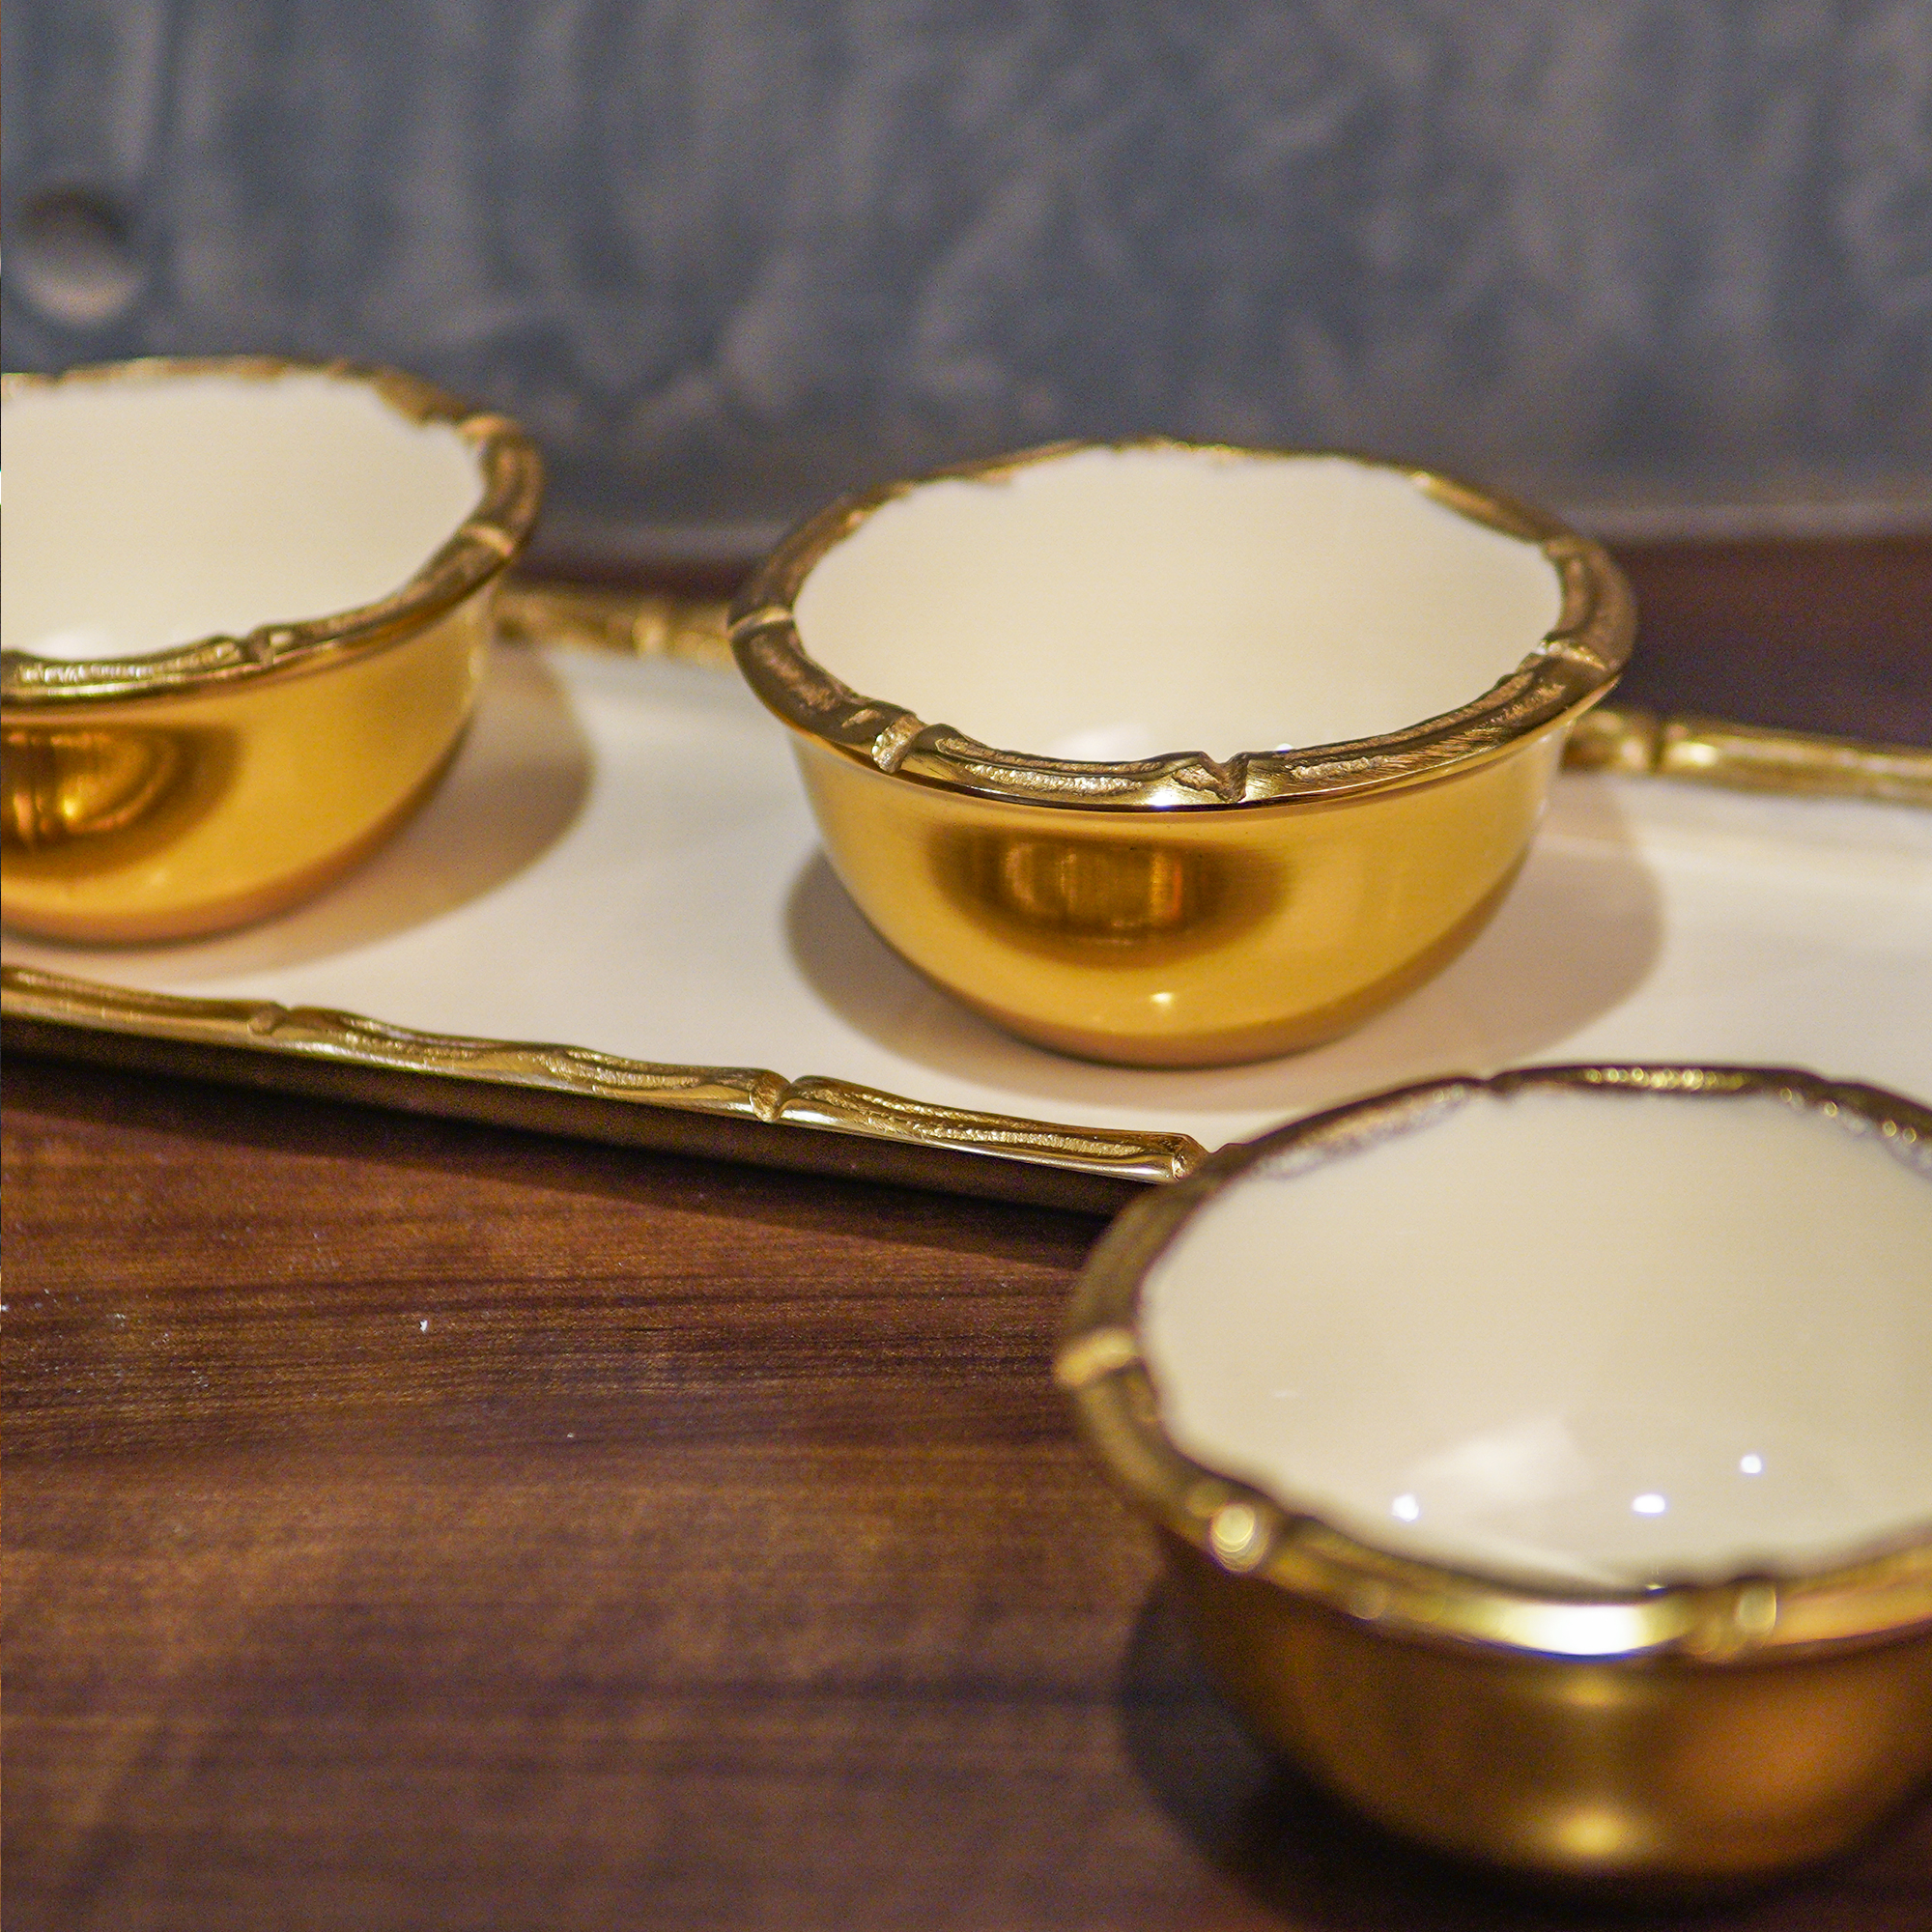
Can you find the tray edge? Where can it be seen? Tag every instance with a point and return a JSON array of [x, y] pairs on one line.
[[813, 1125]]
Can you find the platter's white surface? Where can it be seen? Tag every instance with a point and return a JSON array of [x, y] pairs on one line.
[[621, 859]]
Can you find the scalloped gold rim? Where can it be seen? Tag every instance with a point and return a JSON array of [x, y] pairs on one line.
[[814, 1102], [1579, 660], [480, 546], [1885, 1593], [1611, 737]]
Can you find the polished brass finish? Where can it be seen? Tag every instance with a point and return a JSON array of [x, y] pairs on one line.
[[271, 790], [81, 784], [632, 623], [1180, 911], [1579, 660], [1611, 737], [1747, 757], [1180, 938], [1652, 1775], [740, 1093], [1681, 1736], [216, 783]]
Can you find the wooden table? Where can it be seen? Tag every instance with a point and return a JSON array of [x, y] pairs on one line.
[[412, 1524]]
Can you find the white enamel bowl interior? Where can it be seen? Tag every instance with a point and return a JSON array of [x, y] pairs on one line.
[[1116, 603], [1599, 1340], [147, 512]]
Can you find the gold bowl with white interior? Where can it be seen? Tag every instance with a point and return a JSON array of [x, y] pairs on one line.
[[1407, 653], [245, 607], [1545, 1463]]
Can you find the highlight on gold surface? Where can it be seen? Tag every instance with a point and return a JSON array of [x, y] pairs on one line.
[[1179, 938], [749, 1093], [1748, 758], [1397, 1678], [633, 623], [77, 784], [187, 812]]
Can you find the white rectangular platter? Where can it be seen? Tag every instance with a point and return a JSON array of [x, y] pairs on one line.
[[620, 862]]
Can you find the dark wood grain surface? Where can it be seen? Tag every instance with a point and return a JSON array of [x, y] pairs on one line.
[[412, 1524]]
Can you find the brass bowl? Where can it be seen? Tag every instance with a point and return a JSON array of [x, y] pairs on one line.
[[1750, 1695], [1107, 897], [259, 592]]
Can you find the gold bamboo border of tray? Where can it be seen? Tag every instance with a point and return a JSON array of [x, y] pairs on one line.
[[815, 1125]]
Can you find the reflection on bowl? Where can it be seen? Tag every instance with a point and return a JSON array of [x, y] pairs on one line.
[[245, 602], [84, 784], [1409, 652], [1546, 1461], [1101, 902]]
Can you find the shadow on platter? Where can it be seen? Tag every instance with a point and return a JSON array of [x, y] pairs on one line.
[[516, 787], [1308, 1858], [1578, 935]]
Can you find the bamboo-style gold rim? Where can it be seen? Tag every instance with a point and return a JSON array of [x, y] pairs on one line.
[[1610, 737], [1885, 1592], [747, 1093], [1578, 661], [488, 539]]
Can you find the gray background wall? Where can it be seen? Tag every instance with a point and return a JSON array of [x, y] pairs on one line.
[[1653, 258]]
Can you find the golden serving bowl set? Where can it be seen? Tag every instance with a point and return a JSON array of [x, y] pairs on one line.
[[1615, 1581]]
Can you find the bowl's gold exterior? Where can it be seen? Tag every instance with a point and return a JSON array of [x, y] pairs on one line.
[[1183, 911], [1182, 938], [201, 789], [169, 816], [1678, 1739], [1648, 1774]]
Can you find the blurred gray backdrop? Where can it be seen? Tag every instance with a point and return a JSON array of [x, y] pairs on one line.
[[1656, 260]]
